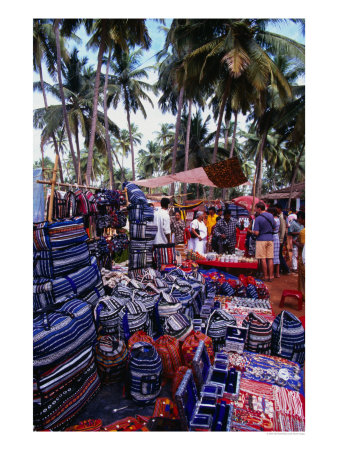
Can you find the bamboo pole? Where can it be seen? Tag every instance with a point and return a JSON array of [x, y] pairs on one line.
[[51, 198], [69, 185]]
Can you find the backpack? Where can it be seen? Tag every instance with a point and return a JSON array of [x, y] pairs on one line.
[[135, 195], [82, 205], [140, 336], [190, 345], [165, 307], [144, 373], [217, 325], [259, 334], [111, 359], [107, 314], [60, 331], [288, 337], [133, 317], [59, 206], [178, 325], [169, 350]]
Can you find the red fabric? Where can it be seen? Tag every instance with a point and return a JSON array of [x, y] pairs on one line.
[[191, 343], [302, 319], [168, 348], [240, 238], [246, 202], [140, 336], [228, 264], [178, 379]]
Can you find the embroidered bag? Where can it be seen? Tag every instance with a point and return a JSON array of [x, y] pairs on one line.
[[60, 331], [82, 205], [178, 325], [259, 334], [169, 350], [190, 345], [91, 199], [288, 337], [140, 336], [111, 359], [217, 327], [144, 373], [107, 314], [164, 254], [133, 317], [165, 307]]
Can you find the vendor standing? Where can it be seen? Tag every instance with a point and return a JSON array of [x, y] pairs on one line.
[[177, 227], [225, 232], [211, 220], [199, 233]]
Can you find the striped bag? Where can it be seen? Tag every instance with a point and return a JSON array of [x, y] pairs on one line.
[[149, 302], [50, 291], [91, 199], [142, 231], [61, 331], [123, 293], [140, 336], [140, 213], [107, 314], [144, 275], [259, 334], [133, 317], [135, 195], [288, 337], [216, 327], [70, 200], [165, 307], [168, 348], [178, 325], [190, 345], [144, 373], [111, 359], [82, 205], [60, 262], [164, 254], [57, 410], [59, 206], [93, 295], [50, 236], [136, 246]]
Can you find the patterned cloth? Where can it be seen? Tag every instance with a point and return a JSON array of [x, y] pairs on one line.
[[226, 173], [276, 242], [177, 227], [229, 229]]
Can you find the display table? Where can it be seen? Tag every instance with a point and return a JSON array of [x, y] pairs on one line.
[[229, 265]]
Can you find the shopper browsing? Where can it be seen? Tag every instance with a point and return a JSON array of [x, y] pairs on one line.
[[199, 233], [162, 220]]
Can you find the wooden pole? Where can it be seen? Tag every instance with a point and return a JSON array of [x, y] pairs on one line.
[[51, 198], [69, 185]]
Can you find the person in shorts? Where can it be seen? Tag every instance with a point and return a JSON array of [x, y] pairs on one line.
[[264, 229]]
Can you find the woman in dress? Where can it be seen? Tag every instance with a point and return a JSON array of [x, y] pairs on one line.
[[199, 233], [276, 242]]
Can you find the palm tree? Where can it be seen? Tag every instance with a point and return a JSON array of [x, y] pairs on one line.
[[148, 161], [105, 34], [44, 49], [126, 85]]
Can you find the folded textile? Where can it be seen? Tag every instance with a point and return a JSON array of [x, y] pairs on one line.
[[60, 331], [59, 262], [58, 234]]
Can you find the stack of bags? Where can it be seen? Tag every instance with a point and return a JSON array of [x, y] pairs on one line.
[[63, 267], [66, 286], [142, 233]]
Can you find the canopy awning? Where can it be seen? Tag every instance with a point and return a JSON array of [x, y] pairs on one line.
[[224, 174]]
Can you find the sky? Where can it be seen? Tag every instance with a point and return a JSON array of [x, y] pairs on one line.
[[147, 126]]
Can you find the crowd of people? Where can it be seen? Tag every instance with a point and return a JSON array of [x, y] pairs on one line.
[[268, 233]]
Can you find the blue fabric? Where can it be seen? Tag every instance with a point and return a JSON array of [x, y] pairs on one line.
[[264, 227], [38, 197]]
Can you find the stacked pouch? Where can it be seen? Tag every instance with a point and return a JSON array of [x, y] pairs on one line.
[[144, 373], [107, 313], [140, 213], [288, 337], [178, 325], [60, 262], [142, 231], [123, 293], [190, 345], [165, 254], [60, 331], [93, 295], [135, 195], [259, 334], [168, 348], [50, 291], [53, 408], [111, 358], [133, 317], [217, 325]]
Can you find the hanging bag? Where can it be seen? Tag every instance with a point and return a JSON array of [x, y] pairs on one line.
[[259, 334]]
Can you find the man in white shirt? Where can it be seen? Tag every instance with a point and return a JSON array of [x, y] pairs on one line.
[[162, 220]]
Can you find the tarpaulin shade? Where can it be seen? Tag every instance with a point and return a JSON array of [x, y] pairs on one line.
[[246, 201], [224, 174]]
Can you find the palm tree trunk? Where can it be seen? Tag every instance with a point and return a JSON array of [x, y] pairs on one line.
[[233, 136], [58, 52], [108, 146], [94, 118], [42, 160], [295, 174], [177, 132], [79, 178], [187, 142], [53, 135], [226, 139], [260, 166], [131, 143]]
